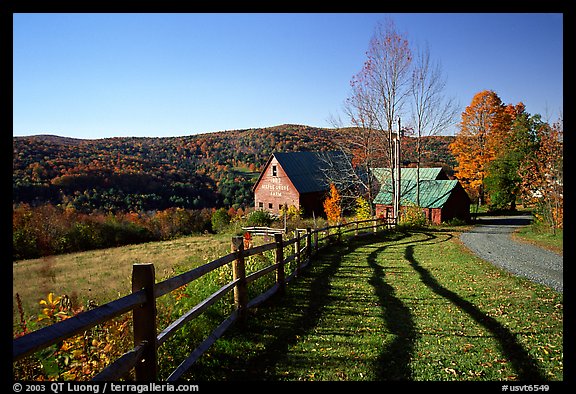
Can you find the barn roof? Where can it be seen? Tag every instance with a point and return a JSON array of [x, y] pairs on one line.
[[305, 169], [433, 192]]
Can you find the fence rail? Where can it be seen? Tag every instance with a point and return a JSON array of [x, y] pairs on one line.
[[142, 301], [264, 230]]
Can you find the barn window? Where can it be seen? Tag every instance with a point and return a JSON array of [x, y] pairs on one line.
[[260, 204], [274, 172], [270, 205]]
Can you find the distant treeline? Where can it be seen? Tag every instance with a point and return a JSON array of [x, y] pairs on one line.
[[46, 229]]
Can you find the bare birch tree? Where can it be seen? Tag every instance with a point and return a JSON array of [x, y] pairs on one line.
[[378, 93], [432, 112]]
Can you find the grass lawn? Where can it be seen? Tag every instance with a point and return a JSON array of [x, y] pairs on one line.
[[405, 306]]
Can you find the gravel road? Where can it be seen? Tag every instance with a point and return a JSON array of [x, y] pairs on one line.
[[491, 240]]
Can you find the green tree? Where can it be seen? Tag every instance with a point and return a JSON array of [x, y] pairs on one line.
[[259, 218], [502, 182], [220, 219], [503, 178]]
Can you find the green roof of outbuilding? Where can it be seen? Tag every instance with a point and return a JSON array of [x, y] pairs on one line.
[[433, 193], [427, 173]]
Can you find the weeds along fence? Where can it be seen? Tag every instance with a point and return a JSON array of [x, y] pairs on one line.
[[142, 358]]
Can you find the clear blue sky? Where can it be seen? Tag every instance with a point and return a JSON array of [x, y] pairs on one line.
[[112, 75]]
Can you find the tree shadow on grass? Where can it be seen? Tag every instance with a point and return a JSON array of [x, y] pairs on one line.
[[394, 361], [523, 364], [257, 349], [276, 325]]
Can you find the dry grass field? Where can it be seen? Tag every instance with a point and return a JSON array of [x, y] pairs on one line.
[[103, 275]]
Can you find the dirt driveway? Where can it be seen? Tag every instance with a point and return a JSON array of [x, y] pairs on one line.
[[491, 240]]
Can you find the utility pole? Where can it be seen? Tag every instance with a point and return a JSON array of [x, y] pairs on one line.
[[397, 180]]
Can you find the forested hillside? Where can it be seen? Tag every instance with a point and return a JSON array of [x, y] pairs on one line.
[[435, 152], [136, 174], [141, 174]]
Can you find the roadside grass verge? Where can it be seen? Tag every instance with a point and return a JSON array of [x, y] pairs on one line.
[[412, 305], [542, 236]]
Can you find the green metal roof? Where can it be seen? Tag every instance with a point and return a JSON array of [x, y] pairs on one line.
[[433, 193], [428, 173]]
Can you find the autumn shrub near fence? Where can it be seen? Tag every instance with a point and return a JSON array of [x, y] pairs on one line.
[[188, 311]]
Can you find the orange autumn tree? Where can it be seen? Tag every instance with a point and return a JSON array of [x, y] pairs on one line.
[[484, 126], [332, 206]]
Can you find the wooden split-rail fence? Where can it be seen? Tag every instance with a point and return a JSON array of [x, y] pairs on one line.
[[142, 301]]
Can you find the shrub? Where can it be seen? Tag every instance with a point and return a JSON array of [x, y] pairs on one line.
[[412, 216], [220, 220], [200, 220], [362, 209], [24, 244], [259, 218], [46, 230], [81, 236], [117, 233], [291, 212], [79, 357]]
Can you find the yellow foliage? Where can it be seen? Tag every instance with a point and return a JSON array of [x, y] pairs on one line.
[[362, 209], [52, 311], [77, 358]]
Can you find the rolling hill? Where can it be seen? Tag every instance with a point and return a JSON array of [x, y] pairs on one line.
[[145, 173]]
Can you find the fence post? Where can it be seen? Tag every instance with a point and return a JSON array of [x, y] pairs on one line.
[[144, 321], [316, 246], [280, 275], [297, 246], [239, 272], [308, 243]]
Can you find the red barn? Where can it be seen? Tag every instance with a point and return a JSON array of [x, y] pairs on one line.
[[293, 178]]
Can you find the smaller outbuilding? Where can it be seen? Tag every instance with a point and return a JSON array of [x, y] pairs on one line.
[[441, 199]]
